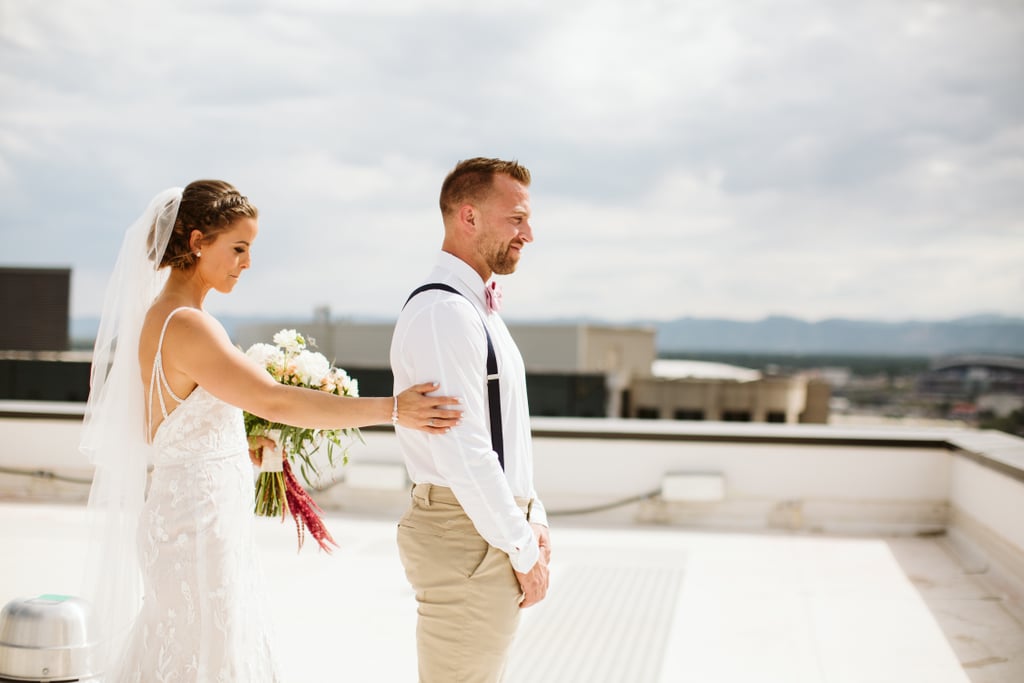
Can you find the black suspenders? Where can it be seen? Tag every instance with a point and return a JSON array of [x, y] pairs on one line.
[[493, 393]]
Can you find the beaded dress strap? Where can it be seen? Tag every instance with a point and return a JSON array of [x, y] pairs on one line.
[[158, 376]]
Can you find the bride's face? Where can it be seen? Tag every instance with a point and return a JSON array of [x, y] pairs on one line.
[[224, 259]]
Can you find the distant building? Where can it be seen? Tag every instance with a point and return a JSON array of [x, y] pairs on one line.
[[572, 370], [35, 306], [974, 387], [970, 377], [586, 370], [1000, 405], [35, 364], [694, 390]]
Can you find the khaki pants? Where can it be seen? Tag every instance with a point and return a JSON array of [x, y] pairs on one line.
[[467, 592]]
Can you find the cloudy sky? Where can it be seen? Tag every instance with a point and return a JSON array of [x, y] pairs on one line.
[[813, 158]]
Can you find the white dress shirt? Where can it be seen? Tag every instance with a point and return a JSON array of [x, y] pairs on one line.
[[439, 337]]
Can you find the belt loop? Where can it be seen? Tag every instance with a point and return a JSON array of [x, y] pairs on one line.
[[421, 494]]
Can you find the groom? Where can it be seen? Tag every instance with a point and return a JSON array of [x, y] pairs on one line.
[[474, 541]]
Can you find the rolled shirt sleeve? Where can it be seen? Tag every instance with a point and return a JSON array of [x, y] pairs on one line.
[[538, 513]]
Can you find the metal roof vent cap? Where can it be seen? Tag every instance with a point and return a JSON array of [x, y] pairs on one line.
[[46, 638]]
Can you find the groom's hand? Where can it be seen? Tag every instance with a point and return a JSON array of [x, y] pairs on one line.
[[534, 582], [543, 540]]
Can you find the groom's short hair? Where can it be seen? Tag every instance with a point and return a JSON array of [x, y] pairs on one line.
[[471, 179]]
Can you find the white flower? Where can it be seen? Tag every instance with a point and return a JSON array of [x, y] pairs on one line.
[[311, 367], [290, 341], [265, 355], [345, 384]]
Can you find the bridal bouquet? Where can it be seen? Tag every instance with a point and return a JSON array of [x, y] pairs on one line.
[[278, 491]]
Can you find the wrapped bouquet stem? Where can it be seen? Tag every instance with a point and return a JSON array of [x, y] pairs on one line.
[[278, 491], [271, 498]]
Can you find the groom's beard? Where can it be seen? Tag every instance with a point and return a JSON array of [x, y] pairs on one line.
[[503, 259]]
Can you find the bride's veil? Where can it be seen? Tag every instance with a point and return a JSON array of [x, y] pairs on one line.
[[114, 433]]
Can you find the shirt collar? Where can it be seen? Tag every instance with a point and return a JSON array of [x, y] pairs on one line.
[[470, 280]]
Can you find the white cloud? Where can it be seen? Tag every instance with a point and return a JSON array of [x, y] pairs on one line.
[[700, 158]]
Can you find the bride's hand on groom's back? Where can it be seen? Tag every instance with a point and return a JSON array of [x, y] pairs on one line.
[[433, 414]]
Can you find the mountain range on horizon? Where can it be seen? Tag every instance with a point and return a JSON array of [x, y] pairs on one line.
[[981, 334]]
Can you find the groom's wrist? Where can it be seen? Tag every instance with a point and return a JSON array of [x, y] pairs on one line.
[[526, 557]]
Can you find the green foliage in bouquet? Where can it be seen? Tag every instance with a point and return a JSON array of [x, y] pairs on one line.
[[290, 362]]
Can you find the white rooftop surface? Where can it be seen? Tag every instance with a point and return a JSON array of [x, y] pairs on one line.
[[626, 604]]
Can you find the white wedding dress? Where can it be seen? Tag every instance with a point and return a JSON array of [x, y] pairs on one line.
[[202, 617]]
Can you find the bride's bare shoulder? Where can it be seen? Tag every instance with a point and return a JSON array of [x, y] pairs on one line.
[[181, 321], [189, 331], [159, 313]]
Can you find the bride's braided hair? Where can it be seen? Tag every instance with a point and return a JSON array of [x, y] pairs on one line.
[[208, 206]]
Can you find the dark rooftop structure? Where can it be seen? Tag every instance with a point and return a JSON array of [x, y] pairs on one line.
[[35, 305]]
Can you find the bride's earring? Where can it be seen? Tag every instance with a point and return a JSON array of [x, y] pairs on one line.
[[198, 254]]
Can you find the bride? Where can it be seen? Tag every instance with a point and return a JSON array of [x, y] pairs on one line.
[[174, 579]]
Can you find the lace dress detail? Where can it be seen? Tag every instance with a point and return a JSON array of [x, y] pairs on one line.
[[202, 618]]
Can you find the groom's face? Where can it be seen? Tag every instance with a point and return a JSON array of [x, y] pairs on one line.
[[504, 224]]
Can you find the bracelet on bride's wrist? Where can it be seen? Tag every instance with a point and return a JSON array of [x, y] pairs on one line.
[[394, 412]]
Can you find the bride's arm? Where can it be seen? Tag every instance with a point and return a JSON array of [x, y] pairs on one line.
[[197, 347]]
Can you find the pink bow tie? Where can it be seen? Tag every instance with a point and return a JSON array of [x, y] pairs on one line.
[[492, 292]]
